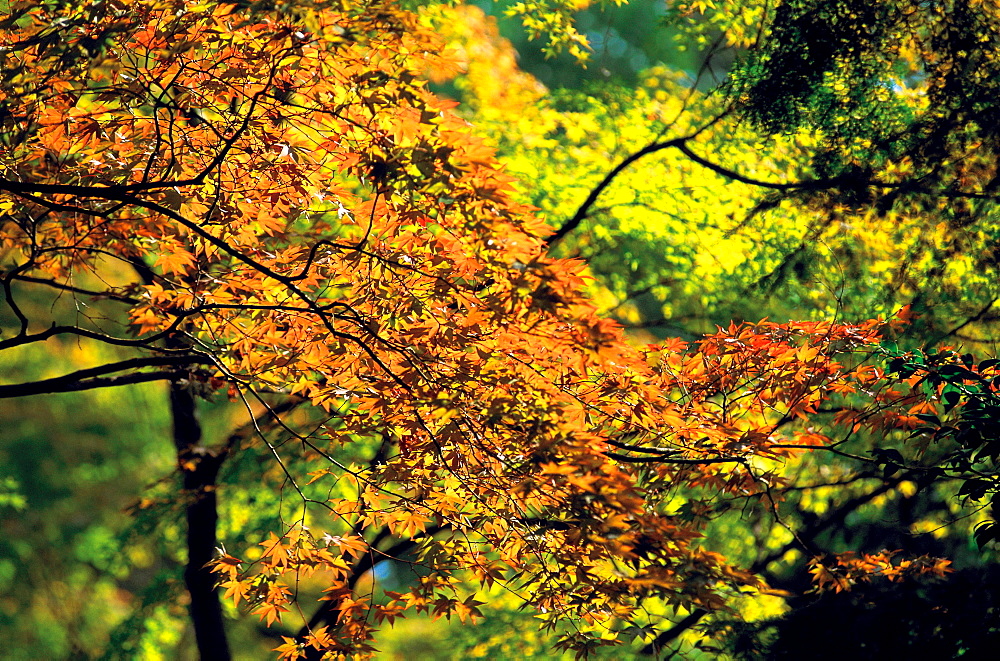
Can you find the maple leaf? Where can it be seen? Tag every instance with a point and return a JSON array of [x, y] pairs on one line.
[[235, 589], [290, 649], [468, 610], [174, 260], [275, 552], [270, 612]]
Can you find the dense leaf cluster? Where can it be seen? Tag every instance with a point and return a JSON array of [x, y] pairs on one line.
[[399, 386]]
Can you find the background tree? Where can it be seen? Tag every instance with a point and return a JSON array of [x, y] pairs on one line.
[[680, 243]]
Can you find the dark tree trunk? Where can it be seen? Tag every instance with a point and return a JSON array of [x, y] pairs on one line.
[[199, 466]]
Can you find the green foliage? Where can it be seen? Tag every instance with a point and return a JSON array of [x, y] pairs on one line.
[[10, 494], [69, 562], [895, 206], [617, 50], [954, 618], [966, 425], [880, 80], [824, 62]]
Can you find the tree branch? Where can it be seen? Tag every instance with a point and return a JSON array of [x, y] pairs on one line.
[[94, 377], [838, 516], [595, 193], [664, 637], [77, 290], [41, 336], [668, 459], [681, 144], [328, 612]]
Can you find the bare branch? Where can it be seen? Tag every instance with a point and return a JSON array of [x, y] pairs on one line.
[[110, 295], [94, 377]]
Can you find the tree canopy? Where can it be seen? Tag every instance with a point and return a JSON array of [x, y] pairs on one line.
[[642, 358]]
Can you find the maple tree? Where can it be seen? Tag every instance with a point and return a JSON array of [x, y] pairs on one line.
[[286, 217]]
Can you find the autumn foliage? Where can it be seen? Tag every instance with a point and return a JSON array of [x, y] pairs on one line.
[[289, 218]]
